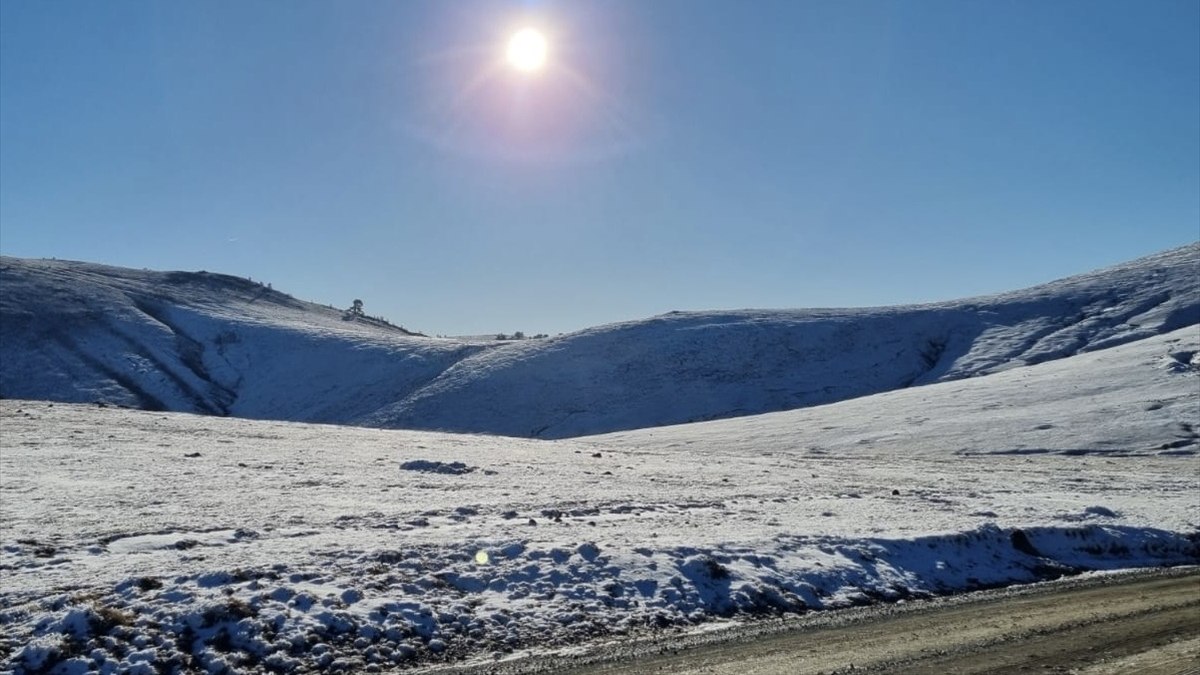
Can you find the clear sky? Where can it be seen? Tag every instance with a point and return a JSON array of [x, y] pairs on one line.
[[673, 154]]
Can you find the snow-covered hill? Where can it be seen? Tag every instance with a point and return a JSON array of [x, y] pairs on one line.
[[206, 343], [200, 342], [692, 366]]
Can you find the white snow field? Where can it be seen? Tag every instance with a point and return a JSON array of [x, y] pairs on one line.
[[144, 542], [207, 343]]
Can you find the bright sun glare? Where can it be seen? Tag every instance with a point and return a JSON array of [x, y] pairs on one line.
[[527, 50]]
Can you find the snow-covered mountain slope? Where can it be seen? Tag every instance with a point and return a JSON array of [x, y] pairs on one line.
[[213, 344], [127, 543], [199, 342], [691, 366]]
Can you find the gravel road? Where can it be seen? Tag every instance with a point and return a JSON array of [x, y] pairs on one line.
[[1137, 622]]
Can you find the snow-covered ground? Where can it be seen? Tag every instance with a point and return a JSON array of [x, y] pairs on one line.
[[137, 541], [199, 342]]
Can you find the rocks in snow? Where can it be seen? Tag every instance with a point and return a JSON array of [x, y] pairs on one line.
[[432, 466]]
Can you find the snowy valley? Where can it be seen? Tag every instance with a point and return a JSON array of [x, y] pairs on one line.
[[1056, 431]]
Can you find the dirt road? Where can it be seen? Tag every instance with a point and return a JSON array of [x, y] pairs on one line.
[[1131, 623]]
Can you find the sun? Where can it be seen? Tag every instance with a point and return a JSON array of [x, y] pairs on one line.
[[527, 50]]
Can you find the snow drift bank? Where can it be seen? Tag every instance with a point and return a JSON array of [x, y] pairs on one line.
[[286, 621], [212, 344]]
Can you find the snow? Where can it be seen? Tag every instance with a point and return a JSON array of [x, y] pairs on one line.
[[704, 466], [207, 343], [134, 540], [199, 342]]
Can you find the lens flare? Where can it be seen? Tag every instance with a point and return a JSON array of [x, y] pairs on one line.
[[527, 50], [517, 95]]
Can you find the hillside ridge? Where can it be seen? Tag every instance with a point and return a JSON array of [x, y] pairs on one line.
[[216, 344]]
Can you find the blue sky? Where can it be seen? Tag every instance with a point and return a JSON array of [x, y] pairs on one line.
[[674, 154]]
